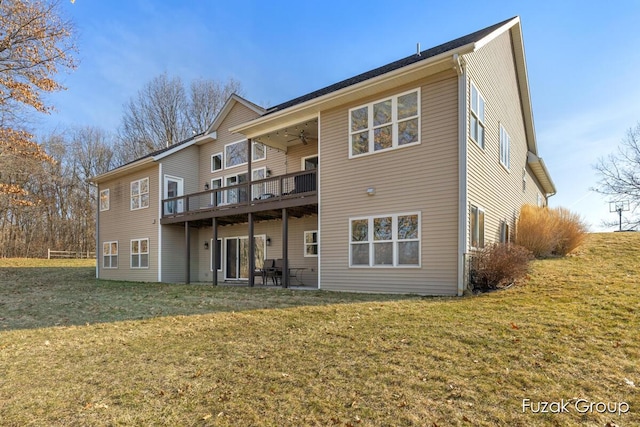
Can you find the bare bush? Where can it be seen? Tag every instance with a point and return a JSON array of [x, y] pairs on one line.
[[546, 232], [537, 231], [498, 265], [572, 231]]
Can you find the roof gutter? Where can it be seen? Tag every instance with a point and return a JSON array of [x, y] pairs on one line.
[[542, 173]]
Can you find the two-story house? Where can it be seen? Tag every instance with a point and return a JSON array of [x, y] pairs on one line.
[[383, 182]]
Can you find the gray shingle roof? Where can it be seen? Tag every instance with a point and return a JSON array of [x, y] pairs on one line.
[[425, 54]]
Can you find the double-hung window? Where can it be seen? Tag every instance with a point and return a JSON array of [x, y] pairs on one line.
[[110, 255], [385, 124], [505, 147], [140, 253], [311, 243], [140, 194], [477, 116], [476, 226], [385, 241], [104, 200]]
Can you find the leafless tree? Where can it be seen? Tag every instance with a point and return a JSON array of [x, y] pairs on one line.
[[36, 43], [164, 113], [206, 99], [620, 175], [58, 208]]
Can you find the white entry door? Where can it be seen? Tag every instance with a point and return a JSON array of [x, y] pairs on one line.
[[173, 187]]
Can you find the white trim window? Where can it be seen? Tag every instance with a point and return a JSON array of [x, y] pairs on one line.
[[216, 197], [259, 151], [104, 200], [216, 162], [310, 162], [385, 124], [476, 226], [505, 147], [235, 153], [140, 253], [140, 194], [477, 116], [110, 254], [385, 241], [311, 243], [505, 232]]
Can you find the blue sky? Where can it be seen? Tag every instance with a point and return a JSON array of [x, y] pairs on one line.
[[582, 60]]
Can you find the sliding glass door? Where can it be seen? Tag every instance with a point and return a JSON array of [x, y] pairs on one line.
[[237, 256]]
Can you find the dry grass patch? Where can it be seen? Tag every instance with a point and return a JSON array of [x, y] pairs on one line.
[[572, 331]]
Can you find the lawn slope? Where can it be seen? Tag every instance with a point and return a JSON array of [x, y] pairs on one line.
[[571, 333]]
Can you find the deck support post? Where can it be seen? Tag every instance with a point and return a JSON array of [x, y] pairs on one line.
[[252, 252], [285, 248], [214, 251], [187, 250]]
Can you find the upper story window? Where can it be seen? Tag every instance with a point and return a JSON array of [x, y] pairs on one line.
[[477, 116], [235, 154], [140, 194], [385, 241], [385, 124], [216, 162], [505, 147], [104, 200]]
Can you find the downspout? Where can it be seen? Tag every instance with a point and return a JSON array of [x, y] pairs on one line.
[[319, 217], [160, 205], [463, 196], [98, 231]]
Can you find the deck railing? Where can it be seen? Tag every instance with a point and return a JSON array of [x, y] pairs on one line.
[[293, 185]]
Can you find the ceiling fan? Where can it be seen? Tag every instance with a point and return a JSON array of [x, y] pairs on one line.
[[302, 137]]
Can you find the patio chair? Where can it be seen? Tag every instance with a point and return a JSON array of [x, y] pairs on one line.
[[274, 272]]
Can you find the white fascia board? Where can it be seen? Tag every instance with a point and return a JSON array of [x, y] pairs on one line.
[[311, 107], [174, 149], [495, 34], [139, 164], [228, 105]]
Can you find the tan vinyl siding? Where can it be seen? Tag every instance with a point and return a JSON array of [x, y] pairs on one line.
[[420, 178], [182, 164], [121, 224], [239, 114], [490, 186], [271, 229]]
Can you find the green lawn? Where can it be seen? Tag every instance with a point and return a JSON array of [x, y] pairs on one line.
[[200, 355]]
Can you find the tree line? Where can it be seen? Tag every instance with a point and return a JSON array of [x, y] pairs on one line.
[[53, 205], [47, 200]]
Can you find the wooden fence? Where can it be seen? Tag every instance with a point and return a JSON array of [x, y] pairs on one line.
[[70, 254]]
